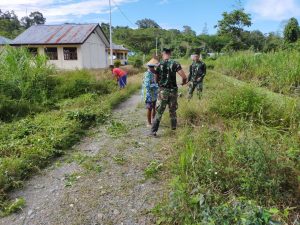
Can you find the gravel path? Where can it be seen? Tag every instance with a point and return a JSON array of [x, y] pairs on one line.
[[102, 180]]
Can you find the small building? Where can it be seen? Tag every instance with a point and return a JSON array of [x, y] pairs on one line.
[[68, 46], [4, 41], [119, 53]]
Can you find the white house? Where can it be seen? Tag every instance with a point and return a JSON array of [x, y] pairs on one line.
[[68, 46], [119, 53]]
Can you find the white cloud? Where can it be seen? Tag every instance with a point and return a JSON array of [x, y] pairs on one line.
[[275, 10], [58, 11], [162, 2]]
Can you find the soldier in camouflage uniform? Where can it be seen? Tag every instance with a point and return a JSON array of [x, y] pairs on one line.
[[196, 76], [168, 90]]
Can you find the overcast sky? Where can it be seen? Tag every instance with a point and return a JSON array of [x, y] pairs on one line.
[[267, 15]]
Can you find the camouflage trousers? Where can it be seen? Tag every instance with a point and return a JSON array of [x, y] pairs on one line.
[[167, 97], [195, 85]]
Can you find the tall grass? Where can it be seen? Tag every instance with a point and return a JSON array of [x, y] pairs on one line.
[[24, 82], [238, 158], [247, 102], [27, 145], [28, 85], [23, 76], [278, 71]]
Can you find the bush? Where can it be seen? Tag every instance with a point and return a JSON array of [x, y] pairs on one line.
[[117, 63], [74, 83], [27, 86], [23, 76], [138, 63]]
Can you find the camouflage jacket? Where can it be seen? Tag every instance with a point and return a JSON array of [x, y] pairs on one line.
[[197, 70], [167, 74]]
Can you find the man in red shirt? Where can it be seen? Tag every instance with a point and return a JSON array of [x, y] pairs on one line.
[[120, 74]]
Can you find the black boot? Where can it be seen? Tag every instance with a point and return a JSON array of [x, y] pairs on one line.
[[155, 127], [173, 124]]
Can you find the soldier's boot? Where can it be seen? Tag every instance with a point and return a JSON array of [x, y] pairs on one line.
[[199, 95], [155, 127], [173, 124]]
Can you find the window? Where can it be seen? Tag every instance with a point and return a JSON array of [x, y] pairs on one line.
[[119, 55], [33, 51], [51, 53], [70, 53]]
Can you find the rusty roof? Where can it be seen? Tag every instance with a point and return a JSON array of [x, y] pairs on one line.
[[56, 34]]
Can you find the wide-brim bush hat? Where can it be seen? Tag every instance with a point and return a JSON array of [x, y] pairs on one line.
[[153, 62]]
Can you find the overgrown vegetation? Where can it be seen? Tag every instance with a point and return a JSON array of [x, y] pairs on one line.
[[238, 158], [30, 143], [278, 71], [29, 85]]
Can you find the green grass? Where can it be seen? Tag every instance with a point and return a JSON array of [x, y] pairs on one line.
[[152, 170], [237, 157], [278, 71], [117, 128], [13, 206], [31, 143]]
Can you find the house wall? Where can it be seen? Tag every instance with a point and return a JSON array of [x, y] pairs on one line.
[[61, 63], [93, 53]]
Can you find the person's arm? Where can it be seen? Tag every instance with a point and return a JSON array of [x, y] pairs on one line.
[[114, 74], [203, 70], [157, 74], [183, 76], [180, 71], [147, 81], [190, 74]]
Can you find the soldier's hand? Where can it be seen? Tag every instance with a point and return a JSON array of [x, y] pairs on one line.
[[184, 81]]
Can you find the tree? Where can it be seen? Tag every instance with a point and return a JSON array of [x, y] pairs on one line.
[[147, 23], [105, 28], [254, 39], [35, 18], [205, 29], [273, 42], [292, 31], [187, 30], [10, 25], [233, 25]]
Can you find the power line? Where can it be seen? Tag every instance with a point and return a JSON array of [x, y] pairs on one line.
[[126, 17]]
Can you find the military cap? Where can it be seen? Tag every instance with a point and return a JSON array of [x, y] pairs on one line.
[[167, 50]]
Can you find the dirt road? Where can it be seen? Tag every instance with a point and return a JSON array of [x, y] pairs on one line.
[[115, 175]]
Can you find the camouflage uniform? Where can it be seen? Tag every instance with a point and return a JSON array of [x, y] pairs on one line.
[[168, 92], [197, 70]]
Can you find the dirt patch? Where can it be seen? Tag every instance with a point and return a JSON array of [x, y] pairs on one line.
[[103, 180]]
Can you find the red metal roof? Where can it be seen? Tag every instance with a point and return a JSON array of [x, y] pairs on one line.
[[55, 34]]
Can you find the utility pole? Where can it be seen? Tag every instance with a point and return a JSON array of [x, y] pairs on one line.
[[156, 46], [110, 35]]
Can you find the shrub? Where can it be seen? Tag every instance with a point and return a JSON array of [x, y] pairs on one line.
[[138, 63], [23, 76], [117, 63]]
